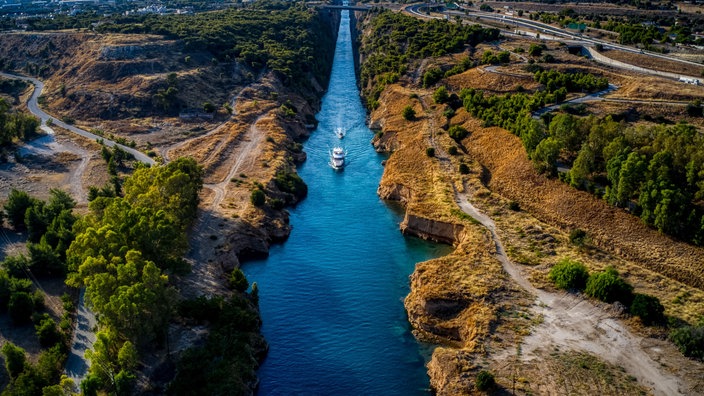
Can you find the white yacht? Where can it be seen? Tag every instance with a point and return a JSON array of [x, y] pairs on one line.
[[339, 133], [337, 158]]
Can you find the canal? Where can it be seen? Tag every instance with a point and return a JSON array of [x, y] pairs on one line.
[[331, 297]]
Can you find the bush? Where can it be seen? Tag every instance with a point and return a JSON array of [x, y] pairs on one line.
[[15, 359], [569, 275], [258, 198], [648, 308], [484, 381], [20, 307], [408, 113], [430, 152], [689, 340], [47, 332], [452, 150], [17, 204], [441, 95], [464, 169], [291, 183], [238, 281], [457, 132], [578, 237], [535, 50], [607, 286], [431, 76]]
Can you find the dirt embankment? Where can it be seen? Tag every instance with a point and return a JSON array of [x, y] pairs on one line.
[[511, 175], [465, 301]]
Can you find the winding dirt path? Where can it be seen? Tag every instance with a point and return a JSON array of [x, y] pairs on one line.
[[206, 276], [569, 321], [575, 323]]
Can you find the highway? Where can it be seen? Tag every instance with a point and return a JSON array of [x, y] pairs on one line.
[[570, 37], [33, 106]]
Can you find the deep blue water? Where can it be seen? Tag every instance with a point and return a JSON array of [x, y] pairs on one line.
[[331, 297]]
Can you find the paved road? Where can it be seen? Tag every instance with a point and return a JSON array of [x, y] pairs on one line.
[[544, 28], [83, 336], [33, 106]]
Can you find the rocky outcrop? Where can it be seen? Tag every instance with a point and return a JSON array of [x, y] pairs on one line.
[[432, 230], [395, 192]]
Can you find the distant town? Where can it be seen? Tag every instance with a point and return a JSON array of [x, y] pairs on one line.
[[19, 10]]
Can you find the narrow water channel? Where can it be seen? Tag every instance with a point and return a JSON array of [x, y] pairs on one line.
[[331, 297]]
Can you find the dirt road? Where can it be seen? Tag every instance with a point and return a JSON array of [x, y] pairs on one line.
[[569, 321], [576, 324], [206, 276]]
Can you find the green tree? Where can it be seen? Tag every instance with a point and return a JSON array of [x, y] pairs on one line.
[[47, 332], [689, 340], [568, 274], [457, 132], [648, 308], [408, 113], [441, 95], [535, 50], [17, 204], [484, 381], [238, 281], [258, 198], [608, 286], [15, 359], [20, 307], [545, 156]]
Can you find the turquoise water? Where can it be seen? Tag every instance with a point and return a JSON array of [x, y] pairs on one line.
[[331, 297]]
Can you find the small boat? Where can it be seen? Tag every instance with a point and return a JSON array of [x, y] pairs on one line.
[[340, 134], [337, 158]]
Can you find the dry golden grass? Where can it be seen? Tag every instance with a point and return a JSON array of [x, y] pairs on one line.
[[479, 78], [656, 263], [655, 63], [565, 373], [430, 193]]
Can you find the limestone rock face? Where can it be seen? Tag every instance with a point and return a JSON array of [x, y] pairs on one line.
[[394, 192], [433, 230]]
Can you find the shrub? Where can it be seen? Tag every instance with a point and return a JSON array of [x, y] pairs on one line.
[[569, 275], [578, 237], [408, 113], [15, 359], [20, 307], [689, 340], [430, 152], [464, 169], [648, 308], [431, 76], [47, 332], [607, 286], [258, 198], [535, 50], [291, 183], [17, 204], [484, 381], [441, 95], [457, 132], [238, 281], [452, 150]]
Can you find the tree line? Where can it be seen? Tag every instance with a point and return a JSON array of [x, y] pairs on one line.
[[396, 40], [654, 172], [285, 37]]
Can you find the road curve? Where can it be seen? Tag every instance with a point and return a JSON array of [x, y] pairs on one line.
[[33, 106], [83, 336]]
